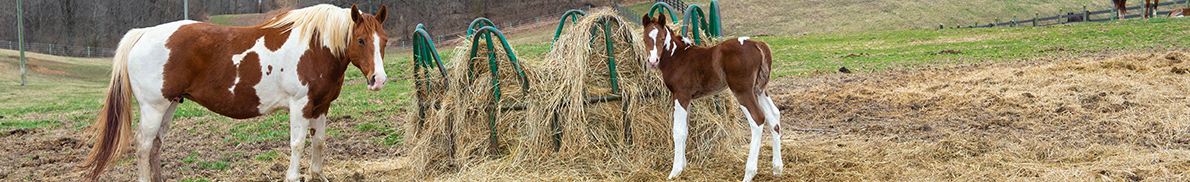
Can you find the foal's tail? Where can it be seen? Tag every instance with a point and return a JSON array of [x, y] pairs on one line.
[[113, 128], [766, 66]]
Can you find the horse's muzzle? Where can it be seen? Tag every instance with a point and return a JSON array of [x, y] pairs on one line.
[[375, 82]]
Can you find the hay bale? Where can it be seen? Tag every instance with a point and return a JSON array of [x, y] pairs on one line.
[[558, 135]]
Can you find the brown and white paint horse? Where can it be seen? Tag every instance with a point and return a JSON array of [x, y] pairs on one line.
[[295, 61], [692, 72]]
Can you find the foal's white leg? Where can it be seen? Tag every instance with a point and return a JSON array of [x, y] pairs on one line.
[[773, 120], [152, 111], [754, 146], [680, 131], [319, 126], [298, 126]]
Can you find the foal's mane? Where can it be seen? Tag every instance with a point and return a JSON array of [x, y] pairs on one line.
[[333, 25]]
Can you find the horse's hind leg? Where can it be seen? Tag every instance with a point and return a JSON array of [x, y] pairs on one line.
[[316, 144], [773, 120], [751, 108], [155, 115]]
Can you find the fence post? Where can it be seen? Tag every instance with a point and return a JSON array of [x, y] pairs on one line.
[[51, 49], [940, 27], [1060, 16], [976, 25], [21, 39], [1086, 16], [88, 51], [1035, 15], [1014, 20], [994, 21]]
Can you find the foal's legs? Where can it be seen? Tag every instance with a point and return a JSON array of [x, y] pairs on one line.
[[680, 131], [755, 115], [319, 126], [773, 120], [156, 113], [298, 126]]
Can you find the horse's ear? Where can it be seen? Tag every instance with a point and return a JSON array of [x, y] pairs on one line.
[[645, 20], [354, 14], [661, 19], [382, 14]]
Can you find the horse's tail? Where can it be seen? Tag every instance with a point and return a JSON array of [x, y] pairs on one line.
[[766, 65], [113, 128]]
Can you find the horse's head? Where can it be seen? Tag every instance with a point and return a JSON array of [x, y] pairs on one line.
[[366, 47], [658, 39]]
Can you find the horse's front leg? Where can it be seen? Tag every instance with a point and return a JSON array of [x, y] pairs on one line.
[[680, 131], [298, 126], [319, 127]]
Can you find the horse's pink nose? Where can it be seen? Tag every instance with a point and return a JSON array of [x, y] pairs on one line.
[[375, 82]]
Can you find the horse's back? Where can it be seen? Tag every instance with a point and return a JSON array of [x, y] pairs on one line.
[[748, 55]]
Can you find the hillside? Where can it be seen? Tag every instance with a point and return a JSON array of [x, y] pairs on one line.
[[783, 17]]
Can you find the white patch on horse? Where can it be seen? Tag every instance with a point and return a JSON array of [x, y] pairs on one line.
[[653, 35], [378, 65], [753, 148], [687, 41], [149, 57], [680, 131], [742, 39], [276, 90], [668, 42]]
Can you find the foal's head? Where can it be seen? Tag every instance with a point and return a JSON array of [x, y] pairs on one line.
[[366, 47], [659, 39]]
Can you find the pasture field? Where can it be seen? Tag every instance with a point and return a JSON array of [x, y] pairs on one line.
[[1095, 101]]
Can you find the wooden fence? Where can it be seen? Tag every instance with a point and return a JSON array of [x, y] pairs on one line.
[[1066, 15]]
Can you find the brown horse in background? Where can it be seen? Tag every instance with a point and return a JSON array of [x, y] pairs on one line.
[[1179, 12], [1150, 8]]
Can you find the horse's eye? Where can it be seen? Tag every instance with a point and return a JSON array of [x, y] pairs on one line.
[[361, 41]]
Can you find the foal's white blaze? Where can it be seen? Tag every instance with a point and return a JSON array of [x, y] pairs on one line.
[[680, 131], [653, 57], [378, 67], [742, 39]]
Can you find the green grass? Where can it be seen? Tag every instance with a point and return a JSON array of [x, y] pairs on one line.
[[221, 19], [913, 48], [268, 156]]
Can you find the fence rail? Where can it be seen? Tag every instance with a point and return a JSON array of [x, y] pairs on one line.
[[1086, 16], [61, 50]]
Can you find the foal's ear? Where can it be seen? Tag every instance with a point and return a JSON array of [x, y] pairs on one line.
[[355, 14], [382, 14], [645, 20], [661, 19]]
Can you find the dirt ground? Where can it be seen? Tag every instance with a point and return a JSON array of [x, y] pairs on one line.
[[1074, 116]]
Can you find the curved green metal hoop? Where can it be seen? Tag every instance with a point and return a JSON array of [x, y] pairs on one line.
[[573, 14], [662, 6], [478, 23]]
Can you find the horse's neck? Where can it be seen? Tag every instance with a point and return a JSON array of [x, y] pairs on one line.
[[688, 59]]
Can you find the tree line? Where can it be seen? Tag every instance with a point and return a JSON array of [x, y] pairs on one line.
[[103, 23]]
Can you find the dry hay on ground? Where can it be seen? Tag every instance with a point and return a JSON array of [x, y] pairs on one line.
[[592, 141], [1117, 117]]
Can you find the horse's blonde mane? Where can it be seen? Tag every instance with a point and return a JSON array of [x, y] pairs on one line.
[[332, 23]]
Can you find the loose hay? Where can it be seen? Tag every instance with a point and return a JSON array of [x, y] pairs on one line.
[[1121, 118], [592, 142]]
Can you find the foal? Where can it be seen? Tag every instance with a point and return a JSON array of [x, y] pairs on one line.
[[692, 72]]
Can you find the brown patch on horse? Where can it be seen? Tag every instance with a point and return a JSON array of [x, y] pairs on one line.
[[205, 75], [275, 41], [315, 68]]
